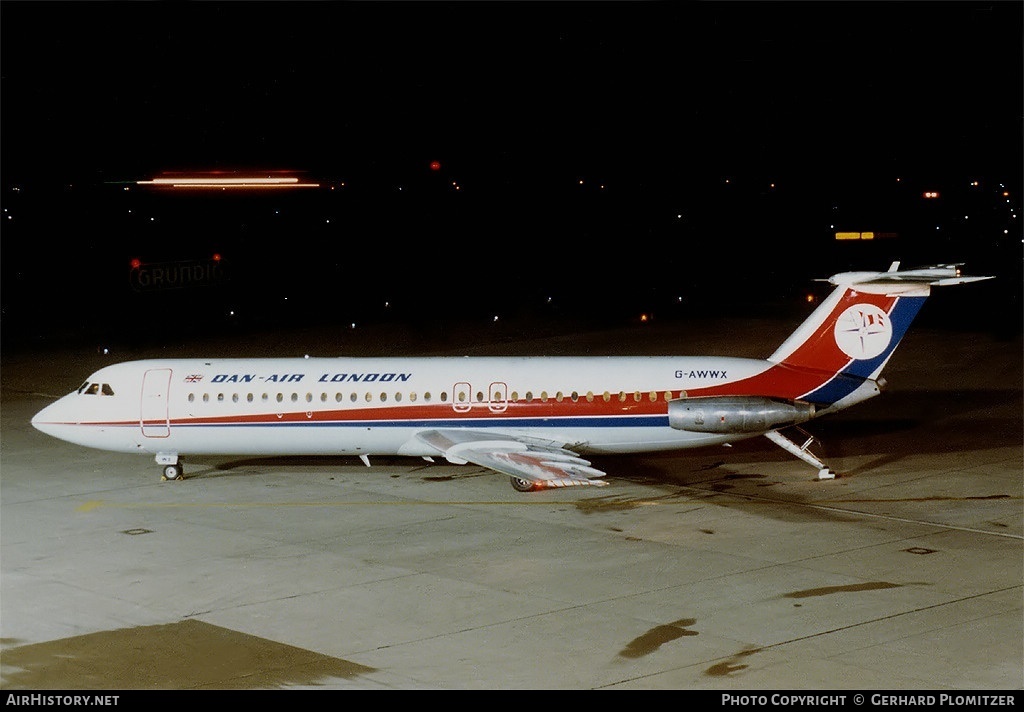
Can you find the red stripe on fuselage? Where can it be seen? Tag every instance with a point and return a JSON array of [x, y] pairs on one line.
[[777, 382]]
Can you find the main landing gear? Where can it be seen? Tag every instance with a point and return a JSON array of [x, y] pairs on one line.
[[521, 485], [173, 469]]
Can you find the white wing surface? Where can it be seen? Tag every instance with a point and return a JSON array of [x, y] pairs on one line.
[[540, 463]]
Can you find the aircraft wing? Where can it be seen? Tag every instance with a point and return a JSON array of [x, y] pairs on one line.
[[543, 464]]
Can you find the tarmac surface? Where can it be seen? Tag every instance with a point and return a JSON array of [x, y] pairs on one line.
[[718, 569]]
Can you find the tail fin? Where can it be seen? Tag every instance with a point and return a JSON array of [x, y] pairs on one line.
[[850, 337]]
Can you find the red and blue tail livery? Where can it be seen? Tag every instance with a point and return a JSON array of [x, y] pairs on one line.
[[535, 419]]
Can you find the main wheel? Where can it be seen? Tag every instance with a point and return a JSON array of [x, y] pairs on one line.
[[521, 485], [173, 472]]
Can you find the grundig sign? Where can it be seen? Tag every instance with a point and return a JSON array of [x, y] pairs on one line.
[[175, 275]]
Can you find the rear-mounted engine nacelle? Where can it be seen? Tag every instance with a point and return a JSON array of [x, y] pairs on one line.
[[736, 414]]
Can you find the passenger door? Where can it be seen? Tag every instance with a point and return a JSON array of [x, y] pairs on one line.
[[154, 410]]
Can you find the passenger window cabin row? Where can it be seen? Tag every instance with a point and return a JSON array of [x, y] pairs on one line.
[[413, 397]]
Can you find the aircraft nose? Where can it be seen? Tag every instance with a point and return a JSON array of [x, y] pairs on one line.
[[46, 420]]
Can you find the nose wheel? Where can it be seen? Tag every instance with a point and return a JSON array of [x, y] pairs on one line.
[[173, 469], [173, 472]]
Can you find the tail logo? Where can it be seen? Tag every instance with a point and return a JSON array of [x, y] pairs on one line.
[[863, 331]]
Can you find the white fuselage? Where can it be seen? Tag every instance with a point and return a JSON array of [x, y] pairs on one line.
[[375, 406]]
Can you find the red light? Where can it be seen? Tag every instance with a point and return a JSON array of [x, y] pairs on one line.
[[435, 165], [216, 257], [136, 263]]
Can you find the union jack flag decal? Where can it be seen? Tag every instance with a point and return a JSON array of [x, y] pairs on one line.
[[193, 378]]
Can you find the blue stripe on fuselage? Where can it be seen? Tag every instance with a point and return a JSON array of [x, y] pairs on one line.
[[836, 389]]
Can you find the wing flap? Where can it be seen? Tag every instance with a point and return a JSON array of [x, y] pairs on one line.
[[543, 464]]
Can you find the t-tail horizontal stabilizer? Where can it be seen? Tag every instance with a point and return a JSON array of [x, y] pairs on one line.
[[934, 275]]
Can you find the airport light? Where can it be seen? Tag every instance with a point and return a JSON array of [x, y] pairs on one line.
[[233, 183]]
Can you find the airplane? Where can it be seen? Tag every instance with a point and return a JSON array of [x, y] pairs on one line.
[[533, 418]]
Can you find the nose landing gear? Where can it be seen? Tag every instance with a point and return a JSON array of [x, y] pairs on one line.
[[173, 469]]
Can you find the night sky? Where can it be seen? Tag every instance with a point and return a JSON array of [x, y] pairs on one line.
[[597, 148]]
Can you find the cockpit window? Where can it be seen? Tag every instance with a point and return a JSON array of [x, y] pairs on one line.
[[106, 390], [94, 389]]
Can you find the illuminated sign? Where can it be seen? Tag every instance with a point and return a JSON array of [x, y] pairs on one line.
[[156, 276], [871, 235]]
